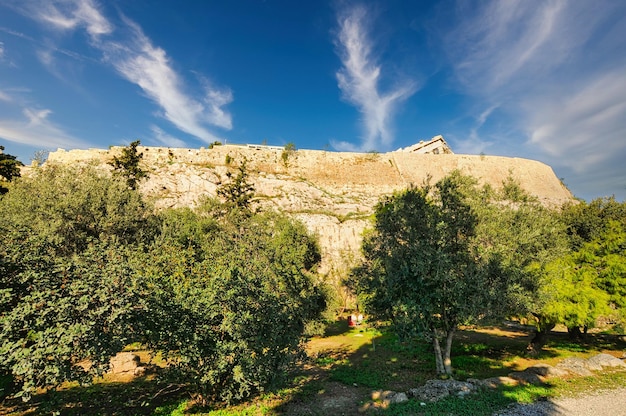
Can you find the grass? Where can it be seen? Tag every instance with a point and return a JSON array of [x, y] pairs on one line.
[[344, 367]]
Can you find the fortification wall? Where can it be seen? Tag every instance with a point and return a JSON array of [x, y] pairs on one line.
[[332, 193]]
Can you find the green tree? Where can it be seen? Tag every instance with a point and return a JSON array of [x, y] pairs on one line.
[[419, 270], [456, 254], [288, 151], [237, 191], [127, 165], [9, 168], [73, 206], [56, 313], [229, 300], [67, 287]]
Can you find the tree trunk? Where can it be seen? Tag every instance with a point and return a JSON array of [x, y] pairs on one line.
[[539, 340], [438, 355], [574, 333], [447, 360]]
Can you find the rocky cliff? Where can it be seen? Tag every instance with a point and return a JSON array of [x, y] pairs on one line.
[[332, 193]]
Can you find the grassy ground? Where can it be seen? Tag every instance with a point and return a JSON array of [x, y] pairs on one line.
[[343, 369]]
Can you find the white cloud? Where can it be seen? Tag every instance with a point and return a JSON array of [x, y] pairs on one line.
[[38, 131], [149, 67], [70, 15], [132, 54], [5, 97], [585, 126], [359, 80], [1, 50], [555, 68], [166, 139]]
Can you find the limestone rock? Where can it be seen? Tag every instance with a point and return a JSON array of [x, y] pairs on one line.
[[493, 382], [127, 363], [527, 377], [435, 390], [575, 365], [606, 360], [333, 193], [546, 370]]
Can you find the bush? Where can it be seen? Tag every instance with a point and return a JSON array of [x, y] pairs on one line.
[[229, 299]]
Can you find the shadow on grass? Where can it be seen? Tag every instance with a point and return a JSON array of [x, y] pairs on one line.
[[340, 379], [385, 363], [138, 397]]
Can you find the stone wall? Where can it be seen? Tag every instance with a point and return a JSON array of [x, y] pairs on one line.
[[332, 193]]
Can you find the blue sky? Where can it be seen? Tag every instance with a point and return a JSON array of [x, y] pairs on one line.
[[538, 79]]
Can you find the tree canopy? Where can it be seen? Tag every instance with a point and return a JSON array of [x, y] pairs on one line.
[[439, 257], [9, 168], [127, 165], [87, 267]]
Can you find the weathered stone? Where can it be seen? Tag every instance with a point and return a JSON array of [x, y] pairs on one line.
[[526, 377], [127, 363], [435, 390], [332, 193], [546, 370], [398, 398], [606, 360], [575, 365], [494, 382]]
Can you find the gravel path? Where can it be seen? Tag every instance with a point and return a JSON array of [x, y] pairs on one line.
[[601, 403]]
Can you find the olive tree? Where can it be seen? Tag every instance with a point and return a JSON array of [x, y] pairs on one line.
[[439, 257], [229, 298], [9, 168], [419, 270], [67, 295]]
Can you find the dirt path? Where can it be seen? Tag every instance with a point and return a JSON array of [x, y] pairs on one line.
[[600, 403]]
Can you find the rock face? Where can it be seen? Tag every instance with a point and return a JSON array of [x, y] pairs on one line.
[[332, 193]]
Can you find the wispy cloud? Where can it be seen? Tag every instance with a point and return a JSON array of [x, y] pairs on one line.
[[35, 129], [5, 97], [359, 80], [149, 67], [70, 15], [165, 139], [475, 143], [134, 57], [555, 68]]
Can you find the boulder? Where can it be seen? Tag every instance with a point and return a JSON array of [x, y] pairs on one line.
[[575, 365], [546, 370], [493, 382], [527, 377], [435, 390], [127, 363], [606, 360]]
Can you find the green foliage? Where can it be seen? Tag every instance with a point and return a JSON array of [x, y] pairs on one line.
[[127, 165], [229, 300], [288, 151], [452, 255], [58, 311], [419, 270], [74, 206], [66, 293], [237, 192], [9, 168], [588, 221]]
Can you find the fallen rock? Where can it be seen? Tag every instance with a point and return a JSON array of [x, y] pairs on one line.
[[527, 377], [546, 370], [435, 390], [127, 363], [493, 382], [578, 366], [606, 360]]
